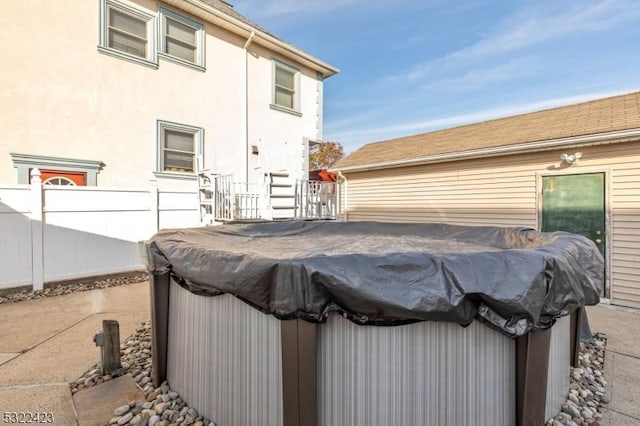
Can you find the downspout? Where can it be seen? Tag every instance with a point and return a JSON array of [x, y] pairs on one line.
[[345, 185], [246, 106]]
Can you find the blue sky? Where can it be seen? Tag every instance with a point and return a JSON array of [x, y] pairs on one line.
[[412, 66]]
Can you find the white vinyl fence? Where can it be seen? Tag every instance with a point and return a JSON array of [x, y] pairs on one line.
[[53, 233]]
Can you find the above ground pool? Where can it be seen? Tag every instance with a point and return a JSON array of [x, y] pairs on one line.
[[366, 323]]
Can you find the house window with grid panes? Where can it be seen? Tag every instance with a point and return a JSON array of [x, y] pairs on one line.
[[182, 39], [178, 147], [127, 33], [178, 151], [285, 86]]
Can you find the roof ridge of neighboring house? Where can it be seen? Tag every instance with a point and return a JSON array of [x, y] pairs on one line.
[[615, 114], [523, 114]]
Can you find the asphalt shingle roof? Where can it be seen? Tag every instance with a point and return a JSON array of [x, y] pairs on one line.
[[229, 10], [598, 116]]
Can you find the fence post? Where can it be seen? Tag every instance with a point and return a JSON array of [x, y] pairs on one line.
[[37, 246], [153, 205]]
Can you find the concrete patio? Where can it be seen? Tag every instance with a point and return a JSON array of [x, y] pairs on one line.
[[47, 343], [622, 361]]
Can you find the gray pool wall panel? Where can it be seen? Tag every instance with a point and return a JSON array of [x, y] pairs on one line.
[[559, 366], [427, 373], [225, 359]]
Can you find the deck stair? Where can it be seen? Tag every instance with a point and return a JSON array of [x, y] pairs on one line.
[[277, 197], [206, 197], [281, 195]]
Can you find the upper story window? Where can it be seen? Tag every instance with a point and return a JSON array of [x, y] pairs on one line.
[[127, 33], [286, 82], [179, 147], [181, 39]]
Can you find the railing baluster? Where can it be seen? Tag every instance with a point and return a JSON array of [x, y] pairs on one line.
[[244, 201], [316, 199]]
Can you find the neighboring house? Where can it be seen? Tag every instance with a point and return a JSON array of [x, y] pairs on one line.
[[117, 92], [573, 168]]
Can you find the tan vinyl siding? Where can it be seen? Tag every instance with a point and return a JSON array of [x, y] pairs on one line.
[[625, 250], [503, 191], [444, 194]]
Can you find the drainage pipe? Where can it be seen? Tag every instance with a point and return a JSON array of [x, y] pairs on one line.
[[246, 106], [344, 184]]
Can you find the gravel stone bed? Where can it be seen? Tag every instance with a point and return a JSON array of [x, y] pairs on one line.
[[162, 406], [587, 393], [75, 287]]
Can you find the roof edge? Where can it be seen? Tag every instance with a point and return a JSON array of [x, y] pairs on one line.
[[262, 37], [497, 150]]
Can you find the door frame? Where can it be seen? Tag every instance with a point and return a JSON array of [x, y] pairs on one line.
[[607, 210]]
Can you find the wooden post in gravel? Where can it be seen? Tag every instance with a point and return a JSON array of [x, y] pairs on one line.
[[111, 348]]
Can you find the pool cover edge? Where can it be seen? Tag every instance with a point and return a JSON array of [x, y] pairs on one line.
[[523, 281]]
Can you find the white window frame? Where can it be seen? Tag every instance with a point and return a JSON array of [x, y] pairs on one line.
[[151, 58], [198, 146], [59, 181], [163, 15], [296, 82]]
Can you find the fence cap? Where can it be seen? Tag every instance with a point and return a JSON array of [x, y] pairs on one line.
[[35, 175]]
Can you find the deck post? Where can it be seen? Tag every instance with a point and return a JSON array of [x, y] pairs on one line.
[[299, 373], [532, 369], [576, 317], [160, 325]]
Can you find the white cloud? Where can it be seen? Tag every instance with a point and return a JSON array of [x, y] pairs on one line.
[[530, 27], [479, 78], [275, 8]]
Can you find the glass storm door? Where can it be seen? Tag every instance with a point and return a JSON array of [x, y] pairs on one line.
[[575, 203]]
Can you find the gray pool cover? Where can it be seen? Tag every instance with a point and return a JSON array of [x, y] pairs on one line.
[[512, 279]]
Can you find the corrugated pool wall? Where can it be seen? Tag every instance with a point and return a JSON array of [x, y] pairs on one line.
[[502, 191], [559, 366], [224, 358], [469, 378], [241, 384]]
